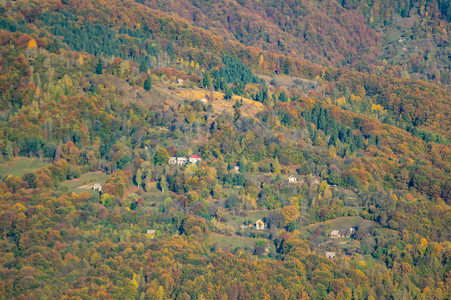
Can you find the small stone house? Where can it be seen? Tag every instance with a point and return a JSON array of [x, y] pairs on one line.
[[180, 81], [316, 180], [260, 225], [330, 254], [150, 233], [336, 234]]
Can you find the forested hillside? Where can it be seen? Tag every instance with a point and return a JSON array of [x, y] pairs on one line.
[[142, 141], [400, 38]]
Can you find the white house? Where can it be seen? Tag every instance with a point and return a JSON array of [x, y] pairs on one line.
[[177, 160], [260, 225], [182, 160], [97, 187], [194, 159], [236, 168], [292, 179]]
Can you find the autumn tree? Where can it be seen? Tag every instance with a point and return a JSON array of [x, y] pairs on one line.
[[161, 156]]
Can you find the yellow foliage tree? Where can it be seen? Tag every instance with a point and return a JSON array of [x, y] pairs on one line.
[[160, 293], [341, 101], [323, 187], [290, 213], [423, 245], [377, 107], [94, 258], [18, 207], [295, 202], [134, 280], [32, 44]]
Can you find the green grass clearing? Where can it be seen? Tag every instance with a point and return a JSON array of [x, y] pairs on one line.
[[21, 165], [85, 182], [233, 241], [342, 223], [251, 216]]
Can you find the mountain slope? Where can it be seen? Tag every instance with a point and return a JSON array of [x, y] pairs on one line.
[[343, 157], [320, 32]]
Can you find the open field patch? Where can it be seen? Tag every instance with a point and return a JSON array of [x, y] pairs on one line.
[[85, 182], [220, 105], [232, 242], [21, 165]]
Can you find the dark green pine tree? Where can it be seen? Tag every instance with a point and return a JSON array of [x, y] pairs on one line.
[[99, 66], [332, 140], [283, 97], [206, 81], [228, 94], [170, 50], [147, 84]]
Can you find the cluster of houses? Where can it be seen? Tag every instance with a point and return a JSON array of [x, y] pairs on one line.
[[259, 225], [183, 160], [334, 234], [341, 234], [315, 180]]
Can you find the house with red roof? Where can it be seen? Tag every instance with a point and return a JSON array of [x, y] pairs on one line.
[[194, 159]]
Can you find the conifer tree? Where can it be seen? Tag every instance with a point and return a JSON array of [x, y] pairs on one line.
[[228, 94], [147, 84], [99, 66], [206, 80]]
